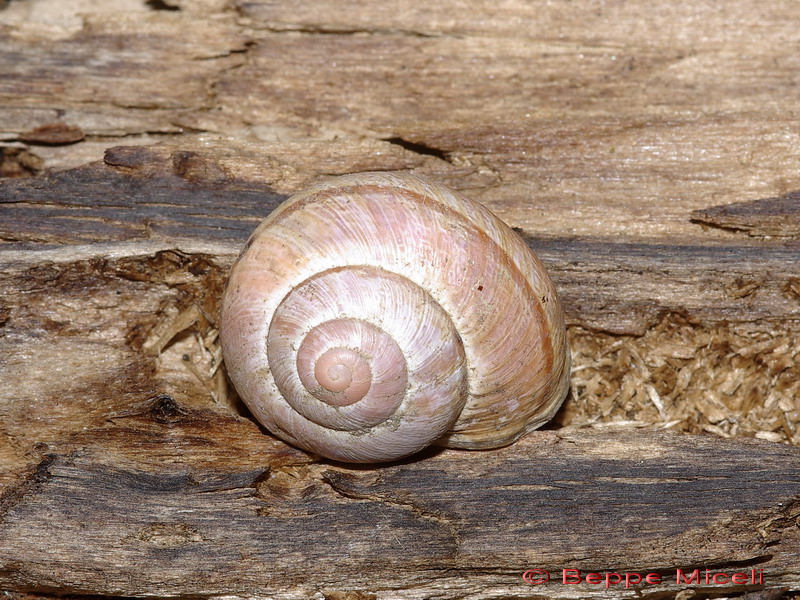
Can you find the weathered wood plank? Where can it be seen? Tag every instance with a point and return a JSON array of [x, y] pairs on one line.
[[171, 194], [175, 502], [565, 119]]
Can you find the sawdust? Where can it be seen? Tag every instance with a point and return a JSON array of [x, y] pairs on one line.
[[732, 380]]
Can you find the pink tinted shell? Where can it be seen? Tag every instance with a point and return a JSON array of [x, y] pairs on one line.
[[375, 314]]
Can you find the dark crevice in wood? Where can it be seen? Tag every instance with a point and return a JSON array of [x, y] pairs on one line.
[[341, 31], [418, 148], [162, 5]]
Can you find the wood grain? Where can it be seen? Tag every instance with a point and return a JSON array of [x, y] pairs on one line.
[[169, 499], [647, 152]]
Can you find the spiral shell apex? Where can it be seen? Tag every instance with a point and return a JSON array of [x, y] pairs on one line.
[[375, 314]]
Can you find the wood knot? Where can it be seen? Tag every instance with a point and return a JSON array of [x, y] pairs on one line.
[[165, 409]]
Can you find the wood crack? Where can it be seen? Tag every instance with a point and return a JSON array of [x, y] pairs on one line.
[[348, 31], [345, 486], [30, 483], [419, 148]]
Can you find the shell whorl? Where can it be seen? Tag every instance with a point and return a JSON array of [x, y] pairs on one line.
[[375, 314]]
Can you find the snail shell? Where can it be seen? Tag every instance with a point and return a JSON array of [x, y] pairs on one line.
[[375, 314]]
